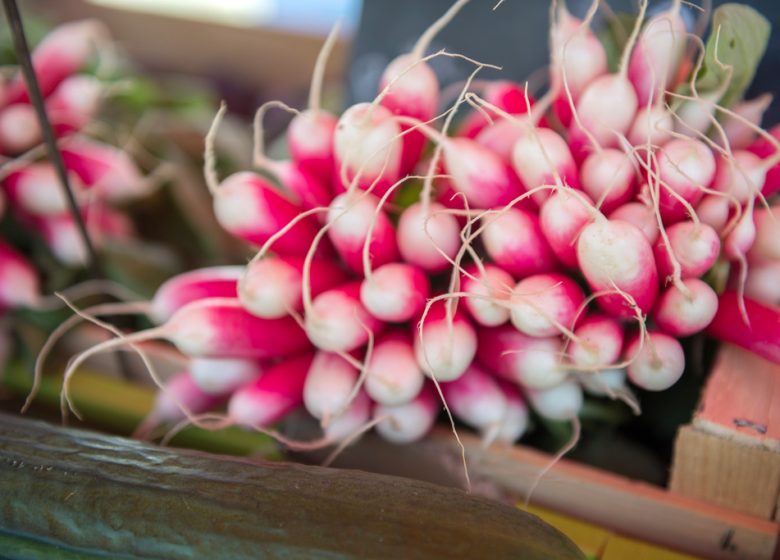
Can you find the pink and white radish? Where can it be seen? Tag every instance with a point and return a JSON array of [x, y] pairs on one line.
[[541, 157], [639, 215], [741, 175], [560, 402], [36, 189], [491, 289], [428, 240], [521, 359], [19, 282], [515, 421], [658, 364], [508, 96], [395, 292], [328, 386], [338, 322], [222, 376], [608, 177], [686, 167], [514, 241], [106, 169], [394, 376], [194, 285], [762, 285], [476, 399], [445, 344], [683, 314], [561, 219], [695, 247], [19, 128], [408, 422], [351, 422], [75, 103], [273, 286], [603, 382], [597, 342], [766, 246], [739, 135], [545, 305], [652, 125]]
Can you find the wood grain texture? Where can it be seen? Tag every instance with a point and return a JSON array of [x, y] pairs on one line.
[[126, 499]]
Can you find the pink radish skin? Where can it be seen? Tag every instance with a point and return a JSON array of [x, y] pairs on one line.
[[508, 96], [272, 287], [496, 284], [762, 285], [609, 178], [222, 376], [64, 51], [74, 103], [742, 177], [598, 342], [515, 242], [443, 350], [476, 399], [658, 365], [500, 138], [409, 422], [328, 385], [761, 335], [308, 189], [696, 248], [639, 215], [521, 359], [686, 166], [310, 141], [273, 395], [651, 124], [561, 219], [250, 209], [395, 292], [347, 424], [714, 211], [194, 285], [109, 170], [766, 246], [739, 241], [560, 402], [544, 303], [367, 141], [351, 215], [19, 283], [606, 108], [537, 157], [740, 136], [338, 322], [36, 189], [764, 149], [414, 243], [180, 391], [394, 377], [19, 129], [515, 421], [657, 55], [680, 314], [613, 254]]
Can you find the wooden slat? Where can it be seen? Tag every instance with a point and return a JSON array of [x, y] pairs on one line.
[[726, 472]]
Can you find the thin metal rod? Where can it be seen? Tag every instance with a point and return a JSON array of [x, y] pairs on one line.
[[34, 91]]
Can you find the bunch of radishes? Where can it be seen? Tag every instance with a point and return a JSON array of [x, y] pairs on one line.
[[555, 246]]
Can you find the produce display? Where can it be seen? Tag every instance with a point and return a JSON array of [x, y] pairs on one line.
[[493, 253]]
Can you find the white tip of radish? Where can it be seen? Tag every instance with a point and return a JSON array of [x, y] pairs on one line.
[[515, 421], [658, 365], [422, 239], [270, 288], [406, 423], [639, 215], [602, 383], [493, 290], [608, 178], [416, 92], [543, 304], [338, 321], [445, 351], [561, 402], [236, 204], [682, 314], [222, 376], [651, 124], [328, 385], [762, 284], [607, 106], [19, 129], [598, 342], [394, 292], [476, 399], [742, 175], [347, 424], [39, 192], [394, 377]]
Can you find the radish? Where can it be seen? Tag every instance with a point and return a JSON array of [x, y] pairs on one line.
[[222, 376], [545, 304], [338, 322], [408, 422], [194, 285], [504, 94], [741, 175], [179, 398], [108, 170], [604, 382], [367, 148], [759, 334], [597, 342], [738, 133], [428, 239], [608, 177], [652, 125], [445, 344], [658, 364], [395, 292], [492, 290], [476, 399], [762, 285], [271, 396], [75, 103], [19, 283], [615, 255], [19, 128], [394, 377], [529, 361], [695, 247], [328, 386], [352, 421], [64, 51], [36, 189], [561, 219], [657, 54], [352, 217], [559, 402], [541, 157], [515, 421], [766, 246], [639, 215], [514, 241], [500, 138], [766, 149], [272, 287], [685, 167], [683, 314], [713, 210]]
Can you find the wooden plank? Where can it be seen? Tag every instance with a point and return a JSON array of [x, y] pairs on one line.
[[621, 548], [741, 399], [726, 472]]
